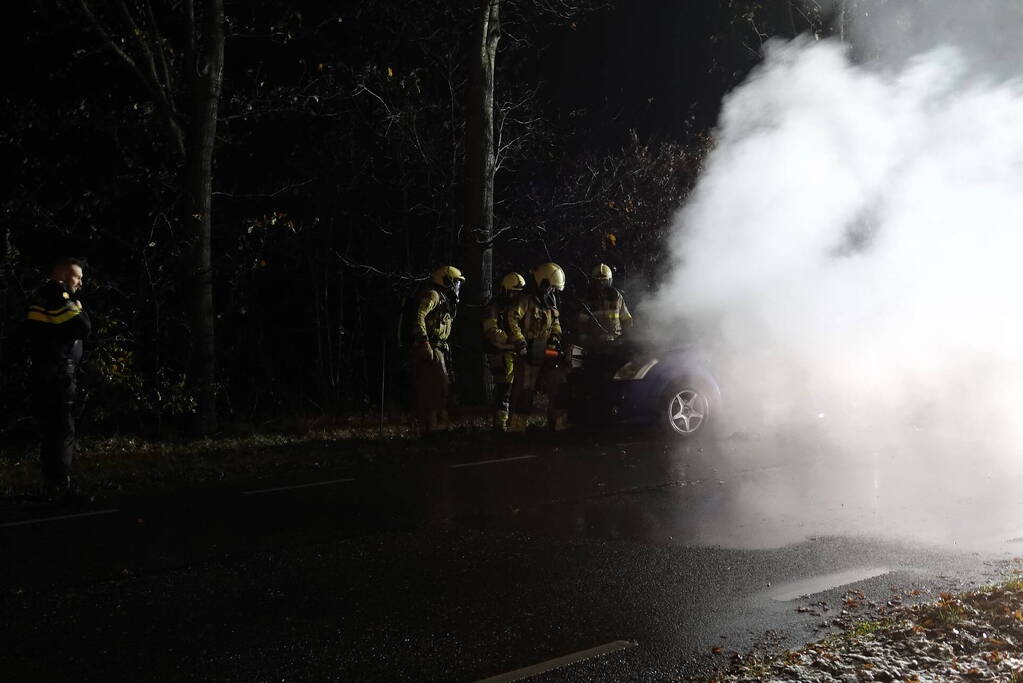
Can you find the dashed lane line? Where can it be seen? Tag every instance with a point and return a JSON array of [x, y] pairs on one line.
[[491, 462], [298, 486], [57, 518], [558, 662]]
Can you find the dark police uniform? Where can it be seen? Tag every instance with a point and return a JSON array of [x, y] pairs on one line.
[[56, 328]]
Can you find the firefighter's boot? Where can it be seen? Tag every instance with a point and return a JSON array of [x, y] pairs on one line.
[[501, 420], [432, 425], [517, 423], [558, 422]]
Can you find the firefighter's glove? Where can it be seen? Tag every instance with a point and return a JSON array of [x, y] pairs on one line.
[[520, 349], [554, 341]]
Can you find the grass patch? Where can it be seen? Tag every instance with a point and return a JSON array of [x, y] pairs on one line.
[[864, 629]]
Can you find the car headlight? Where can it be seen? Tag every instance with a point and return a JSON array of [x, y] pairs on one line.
[[636, 369]]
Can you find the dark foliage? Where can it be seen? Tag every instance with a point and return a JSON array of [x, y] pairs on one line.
[[337, 184]]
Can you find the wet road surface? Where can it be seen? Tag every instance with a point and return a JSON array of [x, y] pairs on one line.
[[493, 557]]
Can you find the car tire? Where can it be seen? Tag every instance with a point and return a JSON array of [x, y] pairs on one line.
[[684, 408]]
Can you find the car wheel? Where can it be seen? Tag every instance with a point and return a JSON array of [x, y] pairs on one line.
[[684, 408]]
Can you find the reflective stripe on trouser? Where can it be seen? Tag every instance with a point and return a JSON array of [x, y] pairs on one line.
[[502, 400], [502, 365], [432, 386]]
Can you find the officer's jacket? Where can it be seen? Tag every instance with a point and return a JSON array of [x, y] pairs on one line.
[[434, 315], [530, 318], [611, 313], [495, 324], [56, 328]]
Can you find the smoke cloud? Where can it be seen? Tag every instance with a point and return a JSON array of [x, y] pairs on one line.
[[852, 255]]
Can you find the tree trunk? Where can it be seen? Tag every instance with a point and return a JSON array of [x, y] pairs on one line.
[[480, 166], [198, 186]]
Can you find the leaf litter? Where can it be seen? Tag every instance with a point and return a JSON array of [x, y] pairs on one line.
[[969, 636]]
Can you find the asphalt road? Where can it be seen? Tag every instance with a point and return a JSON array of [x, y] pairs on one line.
[[614, 556]]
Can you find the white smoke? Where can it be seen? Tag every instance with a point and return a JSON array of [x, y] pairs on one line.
[[853, 251]]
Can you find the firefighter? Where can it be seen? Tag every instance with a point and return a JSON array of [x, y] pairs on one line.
[[436, 306], [57, 326], [604, 316], [533, 328], [501, 353]]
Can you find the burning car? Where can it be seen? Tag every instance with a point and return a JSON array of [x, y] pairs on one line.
[[671, 389]]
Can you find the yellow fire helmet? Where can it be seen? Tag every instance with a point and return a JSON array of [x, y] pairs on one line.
[[601, 272], [448, 276], [549, 275], [513, 282]]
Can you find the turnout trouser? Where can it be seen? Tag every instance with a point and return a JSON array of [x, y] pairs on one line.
[[502, 366], [528, 379], [432, 384]]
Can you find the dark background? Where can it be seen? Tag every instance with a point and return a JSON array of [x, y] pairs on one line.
[[338, 183]]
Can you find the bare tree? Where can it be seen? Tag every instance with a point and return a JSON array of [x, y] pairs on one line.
[[480, 166], [486, 147]]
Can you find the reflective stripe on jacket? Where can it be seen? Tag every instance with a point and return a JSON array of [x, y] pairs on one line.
[[530, 318], [610, 316], [495, 324], [56, 328], [434, 317]]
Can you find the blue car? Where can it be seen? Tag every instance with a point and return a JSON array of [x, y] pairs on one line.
[[671, 389]]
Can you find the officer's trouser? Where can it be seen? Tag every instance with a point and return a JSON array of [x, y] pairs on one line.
[[528, 379], [502, 366], [53, 400], [432, 385]]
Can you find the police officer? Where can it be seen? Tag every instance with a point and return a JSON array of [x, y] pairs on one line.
[[604, 316], [436, 306], [57, 325], [501, 353], [534, 327]]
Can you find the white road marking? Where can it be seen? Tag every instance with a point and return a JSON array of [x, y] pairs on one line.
[[558, 662], [60, 517], [297, 486], [825, 582], [490, 462]]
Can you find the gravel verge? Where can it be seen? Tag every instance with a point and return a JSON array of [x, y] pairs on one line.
[[971, 636]]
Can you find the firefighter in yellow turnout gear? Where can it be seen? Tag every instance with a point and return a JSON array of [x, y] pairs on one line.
[[534, 327], [604, 316], [500, 352], [436, 306]]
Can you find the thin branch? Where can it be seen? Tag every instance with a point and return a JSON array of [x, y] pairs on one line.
[[151, 82], [373, 270], [143, 46], [361, 88], [270, 195], [98, 28], [158, 41]]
